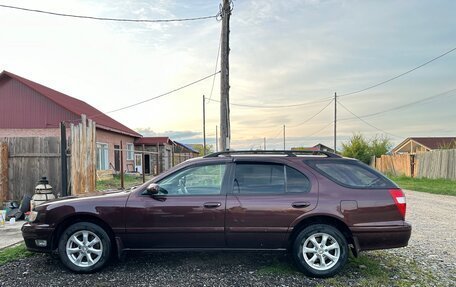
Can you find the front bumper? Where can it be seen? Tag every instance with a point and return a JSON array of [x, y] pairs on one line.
[[32, 232], [381, 237]]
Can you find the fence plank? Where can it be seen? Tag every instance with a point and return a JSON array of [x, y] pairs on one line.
[[83, 156], [3, 172]]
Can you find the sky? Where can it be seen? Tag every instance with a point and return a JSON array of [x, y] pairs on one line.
[[281, 53]]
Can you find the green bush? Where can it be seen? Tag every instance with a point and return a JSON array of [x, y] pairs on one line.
[[363, 149]]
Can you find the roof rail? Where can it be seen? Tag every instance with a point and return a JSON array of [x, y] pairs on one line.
[[288, 153]]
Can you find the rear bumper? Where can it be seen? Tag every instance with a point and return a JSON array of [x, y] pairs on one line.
[[381, 237], [33, 232]]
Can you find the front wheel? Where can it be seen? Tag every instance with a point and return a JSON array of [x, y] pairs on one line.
[[84, 247], [320, 250]]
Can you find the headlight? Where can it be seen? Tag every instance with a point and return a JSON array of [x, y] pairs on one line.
[[32, 216]]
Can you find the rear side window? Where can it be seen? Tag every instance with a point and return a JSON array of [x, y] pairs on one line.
[[268, 178], [296, 181], [351, 174]]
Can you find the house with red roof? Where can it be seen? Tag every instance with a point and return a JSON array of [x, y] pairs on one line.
[[413, 145], [29, 109]]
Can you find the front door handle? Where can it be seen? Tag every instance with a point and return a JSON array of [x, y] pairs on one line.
[[300, 204], [212, 204]]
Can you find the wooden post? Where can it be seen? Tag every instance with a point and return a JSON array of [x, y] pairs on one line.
[[335, 122], [144, 163], [63, 159], [122, 184], [4, 172], [204, 125], [93, 156], [83, 155], [158, 158], [173, 154]]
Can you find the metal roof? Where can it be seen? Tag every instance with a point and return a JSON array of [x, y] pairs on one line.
[[75, 106], [187, 147], [153, 141]]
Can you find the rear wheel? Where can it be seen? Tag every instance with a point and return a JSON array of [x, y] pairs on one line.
[[84, 247], [320, 250]]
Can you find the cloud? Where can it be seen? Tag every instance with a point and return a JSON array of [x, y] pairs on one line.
[[174, 135]]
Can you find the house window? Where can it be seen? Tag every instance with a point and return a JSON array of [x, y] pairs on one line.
[[130, 151], [102, 156]]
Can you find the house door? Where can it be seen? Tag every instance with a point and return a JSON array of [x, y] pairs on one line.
[[147, 164], [138, 163], [117, 157]]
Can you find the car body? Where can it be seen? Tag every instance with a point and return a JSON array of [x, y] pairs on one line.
[[316, 205]]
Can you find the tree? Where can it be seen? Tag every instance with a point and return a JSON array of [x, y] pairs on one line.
[[357, 147], [199, 148], [363, 149], [380, 145]]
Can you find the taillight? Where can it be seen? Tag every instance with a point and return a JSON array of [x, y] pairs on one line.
[[399, 199]]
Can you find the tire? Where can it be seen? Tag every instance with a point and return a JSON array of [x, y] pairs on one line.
[[322, 258], [84, 247]]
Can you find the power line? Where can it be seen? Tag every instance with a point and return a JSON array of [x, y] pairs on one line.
[[278, 106], [216, 66], [367, 123], [320, 129], [313, 115], [398, 76], [405, 105], [159, 96], [109, 19]]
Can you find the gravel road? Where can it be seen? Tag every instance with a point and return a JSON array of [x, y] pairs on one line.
[[432, 247], [429, 260]]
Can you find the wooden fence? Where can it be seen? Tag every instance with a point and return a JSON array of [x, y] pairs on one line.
[[83, 157], [24, 160], [400, 164], [436, 164], [433, 164], [27, 160]]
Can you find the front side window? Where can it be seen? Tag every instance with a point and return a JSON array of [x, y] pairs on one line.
[[268, 178], [102, 156], [198, 180], [130, 151], [351, 174]]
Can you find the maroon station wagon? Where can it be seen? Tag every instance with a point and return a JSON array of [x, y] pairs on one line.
[[316, 205]]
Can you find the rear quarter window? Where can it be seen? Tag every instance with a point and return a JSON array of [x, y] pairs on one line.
[[351, 174]]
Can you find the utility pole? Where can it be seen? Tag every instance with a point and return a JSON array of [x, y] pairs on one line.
[[225, 132], [216, 138], [204, 125], [284, 137], [335, 122], [264, 143]]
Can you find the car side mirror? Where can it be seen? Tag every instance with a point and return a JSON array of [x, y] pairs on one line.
[[153, 189]]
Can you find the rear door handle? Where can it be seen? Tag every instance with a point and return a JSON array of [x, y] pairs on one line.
[[300, 204], [212, 204]]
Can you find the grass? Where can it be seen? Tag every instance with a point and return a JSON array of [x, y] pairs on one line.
[[375, 268], [436, 186], [114, 183], [279, 268], [14, 253]]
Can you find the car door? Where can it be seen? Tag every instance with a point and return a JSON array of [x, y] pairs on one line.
[[265, 200], [188, 212]]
